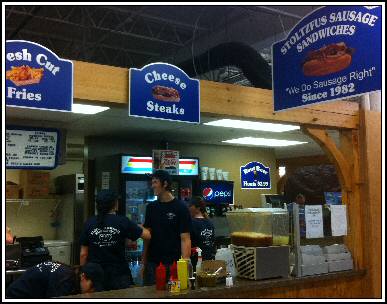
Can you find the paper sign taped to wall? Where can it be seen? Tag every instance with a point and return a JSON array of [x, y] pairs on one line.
[[314, 221], [105, 185], [31, 148], [338, 220]]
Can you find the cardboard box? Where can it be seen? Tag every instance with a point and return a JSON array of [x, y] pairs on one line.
[[36, 191], [32, 177], [12, 191]]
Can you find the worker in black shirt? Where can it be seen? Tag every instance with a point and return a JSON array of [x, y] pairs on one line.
[[169, 222], [203, 231], [103, 241], [53, 279]]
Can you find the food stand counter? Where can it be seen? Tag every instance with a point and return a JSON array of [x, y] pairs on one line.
[[273, 288]]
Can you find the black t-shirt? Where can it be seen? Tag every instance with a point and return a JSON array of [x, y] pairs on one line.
[[203, 236], [167, 221], [107, 243], [45, 280]]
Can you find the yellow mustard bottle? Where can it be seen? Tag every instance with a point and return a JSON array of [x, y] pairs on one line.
[[182, 273]]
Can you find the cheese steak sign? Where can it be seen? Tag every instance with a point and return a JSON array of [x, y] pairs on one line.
[[333, 53], [163, 91], [37, 78]]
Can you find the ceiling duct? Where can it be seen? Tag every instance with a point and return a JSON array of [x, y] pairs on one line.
[[253, 66]]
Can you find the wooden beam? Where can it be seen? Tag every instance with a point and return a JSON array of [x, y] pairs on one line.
[[97, 83], [334, 154], [233, 100], [101, 83], [371, 198]]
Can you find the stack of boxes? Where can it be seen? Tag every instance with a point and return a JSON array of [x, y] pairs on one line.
[[35, 184], [12, 191]]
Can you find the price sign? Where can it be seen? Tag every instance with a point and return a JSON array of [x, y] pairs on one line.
[[30, 148]]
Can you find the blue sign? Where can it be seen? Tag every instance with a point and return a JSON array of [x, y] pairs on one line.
[[255, 175], [163, 91], [217, 192], [333, 53], [37, 78]]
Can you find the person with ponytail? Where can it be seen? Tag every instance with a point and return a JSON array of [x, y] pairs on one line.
[[103, 241], [203, 231]]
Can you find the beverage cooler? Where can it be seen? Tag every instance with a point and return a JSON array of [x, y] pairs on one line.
[[127, 175]]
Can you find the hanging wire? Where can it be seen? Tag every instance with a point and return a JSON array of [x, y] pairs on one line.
[[282, 25], [193, 40]]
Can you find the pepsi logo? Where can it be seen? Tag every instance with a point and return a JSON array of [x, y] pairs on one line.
[[208, 193]]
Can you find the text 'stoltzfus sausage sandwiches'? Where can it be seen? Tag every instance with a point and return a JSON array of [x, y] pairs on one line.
[[165, 93], [327, 60]]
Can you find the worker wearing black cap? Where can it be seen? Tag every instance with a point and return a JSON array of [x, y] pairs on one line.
[[53, 279], [203, 231], [170, 223], [103, 241]]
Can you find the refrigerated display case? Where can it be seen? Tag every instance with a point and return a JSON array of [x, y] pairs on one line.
[[128, 177], [137, 191]]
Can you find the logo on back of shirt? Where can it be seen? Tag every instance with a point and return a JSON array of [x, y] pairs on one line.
[[105, 237], [170, 215], [54, 266]]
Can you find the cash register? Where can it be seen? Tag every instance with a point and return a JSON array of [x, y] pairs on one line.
[[32, 251]]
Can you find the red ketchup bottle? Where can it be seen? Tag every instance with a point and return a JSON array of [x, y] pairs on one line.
[[161, 277], [173, 270]]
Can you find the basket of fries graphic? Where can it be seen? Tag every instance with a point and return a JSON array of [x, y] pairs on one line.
[[24, 75]]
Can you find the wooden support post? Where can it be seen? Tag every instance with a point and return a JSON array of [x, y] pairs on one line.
[[335, 156]]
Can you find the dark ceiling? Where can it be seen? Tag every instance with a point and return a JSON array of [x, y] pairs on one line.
[[135, 35]]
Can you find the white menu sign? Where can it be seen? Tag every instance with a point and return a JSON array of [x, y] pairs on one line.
[[31, 148], [314, 221], [338, 219], [166, 160]]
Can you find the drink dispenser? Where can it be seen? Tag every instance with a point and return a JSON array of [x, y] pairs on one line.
[[258, 227], [260, 238]]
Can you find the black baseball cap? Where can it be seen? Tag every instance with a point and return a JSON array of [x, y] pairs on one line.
[[195, 201], [106, 196], [95, 273], [162, 175]]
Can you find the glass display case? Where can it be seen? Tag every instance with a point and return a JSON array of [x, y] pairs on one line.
[[259, 227]]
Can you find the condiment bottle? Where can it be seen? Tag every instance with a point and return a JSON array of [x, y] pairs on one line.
[[173, 271], [229, 280], [175, 283], [199, 263], [182, 273], [161, 276]]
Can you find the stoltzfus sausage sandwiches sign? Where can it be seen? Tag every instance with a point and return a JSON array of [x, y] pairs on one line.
[[333, 53], [37, 78], [163, 91]]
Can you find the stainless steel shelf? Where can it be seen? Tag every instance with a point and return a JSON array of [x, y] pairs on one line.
[[31, 200]]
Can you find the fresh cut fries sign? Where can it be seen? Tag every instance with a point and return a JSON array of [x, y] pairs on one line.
[[37, 78]]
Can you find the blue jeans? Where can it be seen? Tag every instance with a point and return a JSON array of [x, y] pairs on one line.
[[150, 273]]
